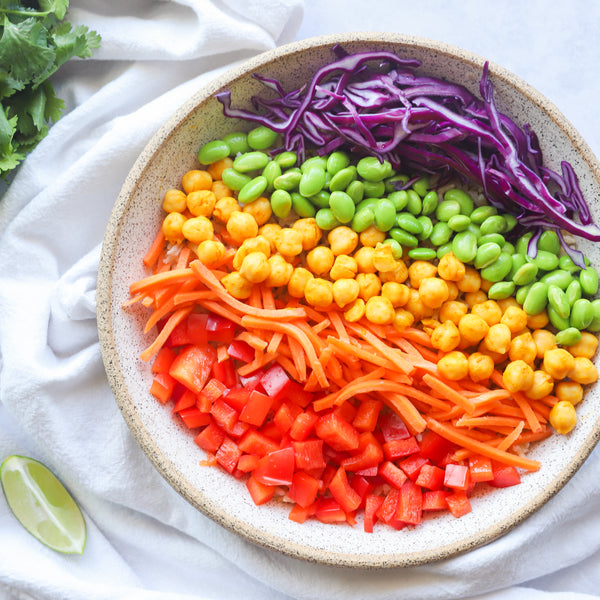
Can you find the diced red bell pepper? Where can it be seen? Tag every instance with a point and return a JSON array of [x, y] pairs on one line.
[[389, 506], [410, 505], [434, 446], [296, 393], [342, 491], [210, 438], [214, 389], [259, 492], [193, 365], [285, 416], [228, 455], [368, 454], [224, 415], [435, 500], [304, 489], [276, 468], [178, 337], [275, 381], [248, 462], [196, 328], [458, 504], [225, 372], [346, 410], [241, 350], [362, 486], [395, 449], [392, 474], [219, 329], [328, 510], [193, 418], [431, 477], [303, 425], [457, 477], [255, 442], [257, 408], [337, 433], [237, 397], [162, 387], [308, 454], [187, 399], [251, 382], [392, 427], [164, 357], [367, 414], [480, 468], [239, 429], [504, 476], [372, 504], [299, 514], [412, 465]]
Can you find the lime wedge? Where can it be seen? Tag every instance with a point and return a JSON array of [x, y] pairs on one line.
[[42, 504]]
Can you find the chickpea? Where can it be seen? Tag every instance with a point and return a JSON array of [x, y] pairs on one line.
[[558, 363], [538, 321], [310, 231], [486, 285], [270, 231], [403, 319], [586, 346], [220, 190], [342, 240], [355, 311], [433, 292], [379, 310], [542, 386], [481, 366], [515, 317], [496, 357], [172, 227], [474, 298], [320, 260], [371, 236], [396, 293], [472, 329], [318, 292], [419, 270], [504, 303], [453, 291], [429, 325], [563, 417], [224, 207], [489, 311], [174, 201], [445, 337], [241, 226], [450, 268], [237, 285], [198, 229], [452, 310], [210, 252], [498, 338], [289, 242], [364, 259], [345, 291], [344, 267], [216, 169], [453, 366], [544, 341], [523, 347], [569, 391], [298, 280], [260, 209], [255, 267], [201, 203], [471, 281], [280, 271], [369, 285], [583, 371], [415, 306], [196, 180], [383, 258], [255, 244], [399, 274], [518, 376]]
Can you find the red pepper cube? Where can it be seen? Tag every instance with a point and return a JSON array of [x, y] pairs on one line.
[[224, 371], [241, 350], [237, 398], [392, 474], [219, 329], [303, 425], [435, 447], [457, 477], [178, 337], [362, 486], [368, 454], [285, 415], [342, 491], [275, 381], [395, 449], [298, 514], [193, 418], [389, 506], [192, 366], [337, 432], [187, 399], [504, 476], [164, 357], [251, 382], [224, 415], [162, 387], [412, 465], [228, 455], [294, 392], [196, 329], [367, 414], [256, 409], [255, 442], [308, 454], [480, 468], [276, 468], [328, 510], [431, 477], [304, 489], [214, 389], [410, 505], [392, 427], [458, 504], [372, 504], [435, 500], [259, 492], [248, 462], [210, 438]]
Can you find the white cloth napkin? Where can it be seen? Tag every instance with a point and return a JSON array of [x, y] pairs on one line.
[[144, 540]]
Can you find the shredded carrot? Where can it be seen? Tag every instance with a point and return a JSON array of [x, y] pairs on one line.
[[159, 280], [155, 250], [260, 361], [165, 332], [401, 405], [448, 392], [510, 439], [222, 354]]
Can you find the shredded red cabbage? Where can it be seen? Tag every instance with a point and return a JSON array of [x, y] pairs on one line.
[[375, 103]]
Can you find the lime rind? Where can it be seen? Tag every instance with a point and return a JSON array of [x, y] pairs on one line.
[[42, 504]]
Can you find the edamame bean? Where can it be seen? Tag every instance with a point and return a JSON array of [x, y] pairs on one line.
[[371, 202], [557, 277], [281, 203], [414, 204], [430, 202], [582, 313], [356, 191], [363, 219], [421, 186], [537, 298], [496, 238], [261, 138], [509, 248], [594, 326], [501, 290], [475, 229], [427, 225], [385, 215], [234, 180], [400, 199], [408, 222], [565, 262], [326, 219], [314, 161], [271, 172], [302, 206], [396, 248], [568, 336], [370, 168], [481, 213], [337, 161], [447, 209], [486, 255], [422, 253], [549, 241], [526, 273], [374, 189], [404, 238], [588, 279], [493, 224], [312, 181], [253, 190], [557, 299], [523, 243], [518, 260], [440, 234], [395, 182], [443, 250], [499, 269], [459, 223], [237, 142], [286, 159], [464, 246], [546, 261], [557, 321], [573, 291], [521, 293], [213, 151], [321, 199], [342, 179], [286, 181], [250, 161], [464, 200], [511, 222], [342, 206]]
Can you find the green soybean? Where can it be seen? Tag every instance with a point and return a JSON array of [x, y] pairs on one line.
[[447, 209], [399, 198], [526, 273], [234, 180], [518, 260], [557, 277], [568, 336], [499, 269], [314, 161], [501, 290], [440, 234], [281, 203], [375, 189], [396, 248], [342, 206], [326, 219], [404, 238], [443, 250], [521, 293], [286, 181], [464, 246], [261, 138], [356, 190], [464, 200], [421, 186], [342, 179], [557, 321], [213, 151], [546, 261], [371, 202], [481, 213], [370, 168], [459, 223], [537, 298], [493, 224], [385, 215], [286, 159], [408, 222], [497, 238], [430, 202], [422, 253], [594, 326], [486, 255], [271, 172], [510, 248], [363, 219], [588, 279], [237, 142], [302, 206], [337, 161], [427, 225], [250, 161], [253, 190], [511, 222], [573, 291], [393, 183], [321, 199], [582, 313], [523, 243], [414, 204], [549, 242], [474, 228], [565, 262], [312, 181], [557, 299]]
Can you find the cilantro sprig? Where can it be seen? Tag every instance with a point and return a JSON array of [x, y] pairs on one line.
[[35, 40]]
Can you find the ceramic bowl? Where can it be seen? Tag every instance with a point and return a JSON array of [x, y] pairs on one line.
[[133, 224]]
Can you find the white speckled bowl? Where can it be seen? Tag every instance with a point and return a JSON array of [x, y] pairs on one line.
[[133, 223]]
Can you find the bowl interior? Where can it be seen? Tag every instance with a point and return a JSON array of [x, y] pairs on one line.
[[170, 447]]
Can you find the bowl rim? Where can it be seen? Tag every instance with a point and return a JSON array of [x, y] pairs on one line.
[[105, 301]]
